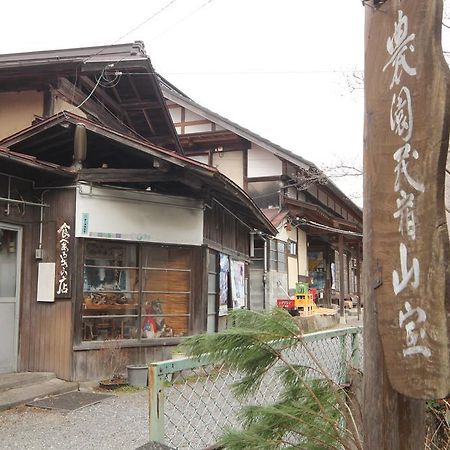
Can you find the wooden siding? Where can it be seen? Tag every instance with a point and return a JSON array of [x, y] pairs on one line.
[[90, 364], [50, 324], [88, 357], [223, 232], [45, 329]]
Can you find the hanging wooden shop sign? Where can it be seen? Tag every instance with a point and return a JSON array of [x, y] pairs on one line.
[[63, 262], [406, 142]]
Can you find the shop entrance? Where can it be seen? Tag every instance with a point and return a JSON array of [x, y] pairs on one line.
[[10, 246]]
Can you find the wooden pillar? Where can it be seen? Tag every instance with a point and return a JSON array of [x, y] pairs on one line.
[[358, 278], [341, 274], [391, 420]]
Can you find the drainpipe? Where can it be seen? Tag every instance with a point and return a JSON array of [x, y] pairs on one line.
[[39, 254], [265, 273]]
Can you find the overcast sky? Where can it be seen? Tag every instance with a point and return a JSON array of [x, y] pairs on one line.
[[282, 68]]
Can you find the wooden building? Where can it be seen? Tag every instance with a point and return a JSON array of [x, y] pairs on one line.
[[319, 227], [104, 234]]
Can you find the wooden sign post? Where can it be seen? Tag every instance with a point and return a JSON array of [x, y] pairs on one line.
[[63, 262], [406, 243]]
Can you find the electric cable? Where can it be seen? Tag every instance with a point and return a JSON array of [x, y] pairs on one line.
[[326, 227], [183, 19], [155, 14], [92, 91]]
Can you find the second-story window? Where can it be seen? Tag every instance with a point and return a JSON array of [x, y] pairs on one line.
[[277, 256], [292, 248]]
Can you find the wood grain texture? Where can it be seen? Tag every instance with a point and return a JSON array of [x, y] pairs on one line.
[[45, 329], [414, 343]]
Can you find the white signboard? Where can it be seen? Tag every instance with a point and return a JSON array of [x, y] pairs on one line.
[[108, 213], [46, 282]]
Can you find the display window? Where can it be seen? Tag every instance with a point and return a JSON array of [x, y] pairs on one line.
[[135, 291]]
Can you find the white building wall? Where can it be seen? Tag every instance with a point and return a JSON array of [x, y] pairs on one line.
[[200, 158], [302, 253], [262, 163], [230, 164]]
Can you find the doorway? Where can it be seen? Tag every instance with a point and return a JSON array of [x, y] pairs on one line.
[[10, 263]]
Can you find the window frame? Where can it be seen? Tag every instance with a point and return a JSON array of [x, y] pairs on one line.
[[277, 258], [141, 293], [291, 244]]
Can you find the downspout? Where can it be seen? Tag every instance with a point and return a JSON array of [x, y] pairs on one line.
[[265, 273], [39, 251]]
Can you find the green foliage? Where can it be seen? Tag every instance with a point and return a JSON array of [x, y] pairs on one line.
[[128, 389], [309, 412]]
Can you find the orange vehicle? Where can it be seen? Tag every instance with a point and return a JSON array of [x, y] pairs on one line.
[[302, 303]]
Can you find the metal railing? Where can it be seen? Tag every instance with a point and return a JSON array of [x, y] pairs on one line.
[[191, 401]]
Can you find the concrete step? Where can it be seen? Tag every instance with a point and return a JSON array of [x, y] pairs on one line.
[[20, 379], [20, 395]]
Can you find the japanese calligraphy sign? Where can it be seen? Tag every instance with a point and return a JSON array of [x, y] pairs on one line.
[[63, 262], [406, 142]]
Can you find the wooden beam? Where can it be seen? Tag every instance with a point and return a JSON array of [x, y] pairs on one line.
[[122, 175], [75, 96], [142, 104], [160, 139], [49, 102], [106, 98], [192, 123], [145, 112]]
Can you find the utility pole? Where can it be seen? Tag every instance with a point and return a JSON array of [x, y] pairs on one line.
[[406, 275]]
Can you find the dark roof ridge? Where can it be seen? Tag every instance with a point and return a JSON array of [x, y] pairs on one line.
[[136, 49]]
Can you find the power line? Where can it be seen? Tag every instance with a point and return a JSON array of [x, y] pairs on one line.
[[327, 228], [92, 91], [155, 14], [181, 20], [255, 72]]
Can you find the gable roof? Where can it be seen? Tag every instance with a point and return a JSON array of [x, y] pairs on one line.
[[52, 141], [172, 93], [19, 164], [115, 85]]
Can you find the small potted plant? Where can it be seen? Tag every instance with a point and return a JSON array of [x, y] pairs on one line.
[[113, 360]]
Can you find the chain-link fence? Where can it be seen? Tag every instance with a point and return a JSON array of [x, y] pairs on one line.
[[191, 401]]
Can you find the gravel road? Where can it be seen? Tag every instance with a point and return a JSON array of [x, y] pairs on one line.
[[120, 422], [197, 407]]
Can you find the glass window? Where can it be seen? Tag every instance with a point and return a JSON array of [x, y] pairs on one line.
[[166, 291], [8, 262], [292, 248], [213, 274], [258, 258], [277, 255], [127, 299]]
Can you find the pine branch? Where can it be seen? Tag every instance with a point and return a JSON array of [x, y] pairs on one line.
[[311, 409]]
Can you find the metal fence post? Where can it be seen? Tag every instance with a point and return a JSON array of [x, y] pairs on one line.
[[343, 356], [156, 405], [356, 351]]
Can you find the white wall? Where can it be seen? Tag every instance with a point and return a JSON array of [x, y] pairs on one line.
[[262, 163], [302, 253], [200, 158], [231, 165], [107, 213]]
